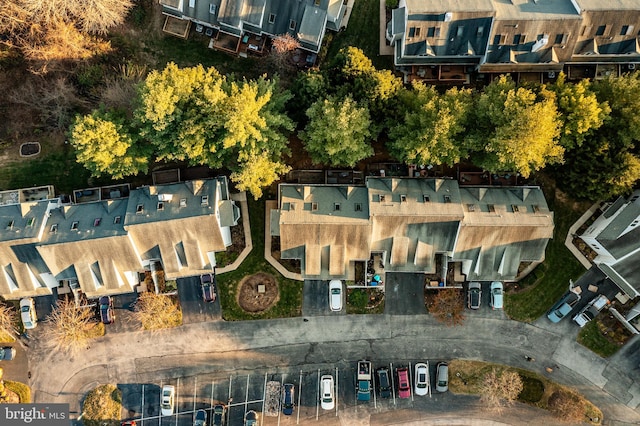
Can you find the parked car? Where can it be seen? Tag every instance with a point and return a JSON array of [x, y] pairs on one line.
[[106, 310], [219, 417], [250, 418], [129, 423], [384, 383], [442, 377], [591, 310], [288, 391], [208, 288], [28, 313], [7, 353], [167, 400], [563, 307], [327, 401], [421, 379], [335, 295], [496, 295], [200, 418], [404, 387], [474, 295]]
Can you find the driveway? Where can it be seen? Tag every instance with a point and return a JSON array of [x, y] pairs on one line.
[[315, 298], [404, 294], [194, 308]]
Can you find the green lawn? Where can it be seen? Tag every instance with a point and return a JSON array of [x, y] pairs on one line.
[[363, 31], [551, 279], [591, 337], [58, 168], [290, 303]]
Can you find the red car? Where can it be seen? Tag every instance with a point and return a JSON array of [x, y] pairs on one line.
[[404, 387]]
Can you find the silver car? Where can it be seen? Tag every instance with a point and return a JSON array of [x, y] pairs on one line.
[[442, 377]]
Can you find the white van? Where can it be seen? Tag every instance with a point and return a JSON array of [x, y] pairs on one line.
[[592, 309]]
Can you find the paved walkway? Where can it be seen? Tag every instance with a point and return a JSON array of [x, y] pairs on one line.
[[222, 347]]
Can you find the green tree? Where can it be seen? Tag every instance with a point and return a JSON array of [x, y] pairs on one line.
[[309, 87], [257, 172], [621, 93], [430, 131], [338, 132], [180, 113], [600, 169], [104, 146], [514, 130], [581, 112]]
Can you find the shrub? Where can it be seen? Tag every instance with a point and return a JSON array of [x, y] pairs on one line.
[[102, 406], [23, 391], [391, 4]]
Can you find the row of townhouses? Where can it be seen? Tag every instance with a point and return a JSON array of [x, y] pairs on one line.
[[102, 246], [236, 20], [413, 225], [438, 40]]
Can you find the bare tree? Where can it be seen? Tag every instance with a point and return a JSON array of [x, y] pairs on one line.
[[8, 319], [448, 307], [283, 46], [47, 30], [73, 326], [157, 311], [55, 100], [499, 389], [567, 406]]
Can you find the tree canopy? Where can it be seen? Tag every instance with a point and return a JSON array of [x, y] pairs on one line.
[[338, 132], [104, 146], [580, 111], [431, 130], [515, 130]]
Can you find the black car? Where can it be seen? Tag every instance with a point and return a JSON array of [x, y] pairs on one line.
[[384, 384], [218, 415], [474, 295], [208, 288], [106, 310]]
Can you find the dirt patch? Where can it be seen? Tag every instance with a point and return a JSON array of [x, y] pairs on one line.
[[252, 297]]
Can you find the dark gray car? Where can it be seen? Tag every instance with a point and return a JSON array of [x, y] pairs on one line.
[[7, 353], [474, 295], [384, 384]]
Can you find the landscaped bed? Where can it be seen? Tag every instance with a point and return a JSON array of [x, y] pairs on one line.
[[466, 377], [365, 301]]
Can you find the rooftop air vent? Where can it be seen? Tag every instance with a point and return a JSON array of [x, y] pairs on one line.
[[204, 201]]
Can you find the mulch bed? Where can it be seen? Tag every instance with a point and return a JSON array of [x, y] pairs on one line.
[[250, 299]]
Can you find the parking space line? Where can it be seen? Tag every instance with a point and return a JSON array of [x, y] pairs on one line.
[[264, 393], [246, 395], [229, 399], [318, 396], [335, 392], [195, 393], [142, 408], [393, 382], [372, 387], [299, 395], [211, 400], [282, 376], [411, 381], [177, 397]]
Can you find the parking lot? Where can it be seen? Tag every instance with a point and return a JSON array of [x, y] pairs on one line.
[[243, 392]]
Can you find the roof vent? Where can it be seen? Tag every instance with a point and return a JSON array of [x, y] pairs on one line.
[[139, 208], [117, 220], [54, 228], [10, 225], [403, 198], [204, 201], [160, 205], [183, 202], [96, 221], [74, 225], [314, 206], [447, 199]]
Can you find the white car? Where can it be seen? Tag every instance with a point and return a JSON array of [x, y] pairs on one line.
[[496, 295], [421, 379], [167, 400], [28, 313], [335, 295], [326, 393], [442, 377]]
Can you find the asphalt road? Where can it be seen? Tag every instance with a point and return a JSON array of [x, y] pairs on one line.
[[230, 352]]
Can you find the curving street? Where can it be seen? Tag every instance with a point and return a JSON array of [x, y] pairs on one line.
[[219, 349]]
